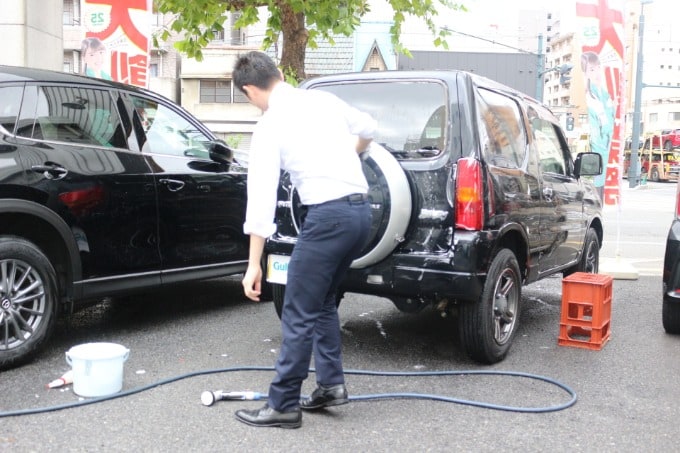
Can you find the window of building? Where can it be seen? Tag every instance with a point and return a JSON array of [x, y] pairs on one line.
[[69, 16], [239, 97], [215, 91], [218, 35], [220, 91], [153, 70], [653, 117], [674, 116]]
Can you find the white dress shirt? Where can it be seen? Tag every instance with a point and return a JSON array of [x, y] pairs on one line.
[[312, 135]]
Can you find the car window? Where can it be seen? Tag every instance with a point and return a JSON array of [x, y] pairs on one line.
[[71, 114], [167, 132], [411, 115], [503, 136], [10, 102], [550, 155]]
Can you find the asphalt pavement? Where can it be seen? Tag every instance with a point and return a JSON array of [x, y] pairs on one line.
[[627, 396]]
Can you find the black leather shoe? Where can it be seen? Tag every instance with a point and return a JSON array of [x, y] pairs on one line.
[[266, 416], [333, 395]]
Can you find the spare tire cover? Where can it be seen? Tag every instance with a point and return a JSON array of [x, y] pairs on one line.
[[391, 205]]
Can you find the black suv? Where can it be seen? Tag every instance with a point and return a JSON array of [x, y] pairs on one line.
[[474, 192], [671, 273], [104, 189]]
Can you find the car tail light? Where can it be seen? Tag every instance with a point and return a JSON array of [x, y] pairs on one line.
[[469, 195]]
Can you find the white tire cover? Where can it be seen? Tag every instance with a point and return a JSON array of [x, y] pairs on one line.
[[397, 211]]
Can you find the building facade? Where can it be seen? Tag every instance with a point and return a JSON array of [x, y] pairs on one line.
[[33, 33]]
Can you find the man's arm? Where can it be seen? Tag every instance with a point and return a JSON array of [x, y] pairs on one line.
[[252, 280], [362, 144]]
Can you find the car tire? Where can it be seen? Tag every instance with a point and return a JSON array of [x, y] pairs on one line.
[[487, 327], [670, 313], [590, 258], [654, 176], [28, 300]]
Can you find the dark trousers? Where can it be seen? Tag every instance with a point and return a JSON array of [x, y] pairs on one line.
[[332, 236]]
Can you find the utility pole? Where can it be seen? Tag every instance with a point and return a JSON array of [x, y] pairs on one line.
[[634, 168], [540, 66]]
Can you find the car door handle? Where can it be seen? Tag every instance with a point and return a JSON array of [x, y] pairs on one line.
[[548, 193], [50, 170], [173, 185]]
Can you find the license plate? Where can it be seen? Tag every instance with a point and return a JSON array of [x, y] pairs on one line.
[[277, 269]]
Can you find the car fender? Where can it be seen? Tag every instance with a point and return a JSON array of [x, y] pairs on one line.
[[16, 205]]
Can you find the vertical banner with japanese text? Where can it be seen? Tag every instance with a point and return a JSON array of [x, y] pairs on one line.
[[117, 37], [600, 31]]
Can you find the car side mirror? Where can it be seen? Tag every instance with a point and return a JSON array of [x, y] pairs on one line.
[[588, 164], [220, 152]]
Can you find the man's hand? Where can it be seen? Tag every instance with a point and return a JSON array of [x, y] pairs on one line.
[[252, 282]]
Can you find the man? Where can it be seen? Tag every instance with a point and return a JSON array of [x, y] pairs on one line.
[[317, 138]]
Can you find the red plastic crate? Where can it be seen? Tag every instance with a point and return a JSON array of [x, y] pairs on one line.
[[585, 318]]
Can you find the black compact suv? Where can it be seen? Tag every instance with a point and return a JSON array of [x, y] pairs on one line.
[[474, 192], [670, 312], [104, 189]]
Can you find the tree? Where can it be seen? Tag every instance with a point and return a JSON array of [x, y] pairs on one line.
[[300, 23]]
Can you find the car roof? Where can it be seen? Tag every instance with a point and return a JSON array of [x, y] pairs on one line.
[[23, 74], [445, 75]]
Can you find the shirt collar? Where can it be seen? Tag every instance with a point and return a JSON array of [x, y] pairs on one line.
[[279, 93]]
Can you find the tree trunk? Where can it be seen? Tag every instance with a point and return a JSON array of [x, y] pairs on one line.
[[295, 38]]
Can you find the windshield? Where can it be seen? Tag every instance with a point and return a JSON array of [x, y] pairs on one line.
[[412, 115]]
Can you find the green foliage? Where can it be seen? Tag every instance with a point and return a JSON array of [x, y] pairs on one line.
[[233, 141], [290, 76], [197, 19]]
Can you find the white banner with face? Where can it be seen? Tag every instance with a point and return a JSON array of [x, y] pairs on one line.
[[600, 31], [116, 44]]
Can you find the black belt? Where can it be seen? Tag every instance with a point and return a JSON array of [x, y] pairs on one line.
[[355, 197], [352, 198]]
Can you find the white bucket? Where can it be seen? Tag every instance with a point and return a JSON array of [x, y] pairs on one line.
[[97, 368]]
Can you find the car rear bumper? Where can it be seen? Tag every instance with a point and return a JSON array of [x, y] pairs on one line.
[[457, 274], [671, 265]]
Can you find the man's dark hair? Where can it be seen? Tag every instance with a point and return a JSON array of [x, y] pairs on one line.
[[254, 68]]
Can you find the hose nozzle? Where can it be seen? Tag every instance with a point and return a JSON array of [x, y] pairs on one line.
[[209, 398]]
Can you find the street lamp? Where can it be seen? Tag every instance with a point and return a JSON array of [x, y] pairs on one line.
[[564, 71], [634, 168]]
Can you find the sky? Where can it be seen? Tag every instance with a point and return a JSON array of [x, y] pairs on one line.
[[496, 20]]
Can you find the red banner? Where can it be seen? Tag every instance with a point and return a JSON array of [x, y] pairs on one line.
[[116, 44], [600, 32]]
